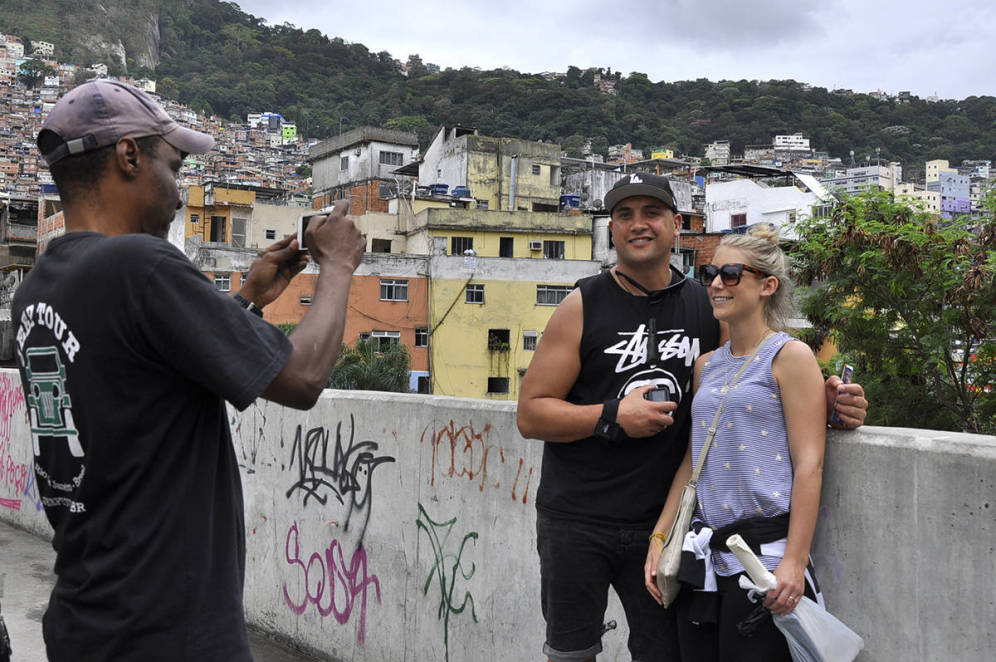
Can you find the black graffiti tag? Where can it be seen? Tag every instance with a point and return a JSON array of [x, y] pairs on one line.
[[346, 475]]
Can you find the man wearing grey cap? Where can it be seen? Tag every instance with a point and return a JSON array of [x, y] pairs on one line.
[[127, 356], [612, 448]]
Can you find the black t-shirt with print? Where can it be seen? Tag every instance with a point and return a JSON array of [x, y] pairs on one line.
[[128, 354], [626, 482]]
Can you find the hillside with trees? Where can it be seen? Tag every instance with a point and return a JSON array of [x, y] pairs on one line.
[[218, 59]]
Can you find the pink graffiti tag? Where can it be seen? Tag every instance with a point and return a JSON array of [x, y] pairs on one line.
[[330, 572]]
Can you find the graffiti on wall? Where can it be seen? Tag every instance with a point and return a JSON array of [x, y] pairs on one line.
[[328, 582], [448, 568], [466, 452], [17, 479], [249, 431], [342, 470]]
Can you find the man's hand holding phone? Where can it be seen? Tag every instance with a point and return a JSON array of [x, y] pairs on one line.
[[331, 238]]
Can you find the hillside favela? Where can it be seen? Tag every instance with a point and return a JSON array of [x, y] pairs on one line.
[[397, 518]]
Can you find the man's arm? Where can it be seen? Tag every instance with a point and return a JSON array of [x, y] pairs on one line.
[[337, 246], [543, 411], [848, 399], [272, 271]]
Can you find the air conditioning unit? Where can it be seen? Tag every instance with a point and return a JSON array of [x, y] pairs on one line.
[[535, 245]]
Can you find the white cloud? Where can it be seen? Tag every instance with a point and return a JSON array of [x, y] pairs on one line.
[[921, 45]]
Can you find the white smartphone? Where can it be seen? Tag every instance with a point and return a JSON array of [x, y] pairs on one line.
[[302, 225]]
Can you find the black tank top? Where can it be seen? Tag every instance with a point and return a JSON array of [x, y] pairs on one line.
[[627, 482]]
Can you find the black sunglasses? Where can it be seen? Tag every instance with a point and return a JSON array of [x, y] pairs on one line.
[[729, 273]]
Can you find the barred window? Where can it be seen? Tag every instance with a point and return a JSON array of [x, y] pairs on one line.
[[551, 295], [392, 158], [393, 290], [475, 293], [460, 244]]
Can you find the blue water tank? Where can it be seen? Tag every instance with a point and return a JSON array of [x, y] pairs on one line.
[[439, 189], [460, 192]]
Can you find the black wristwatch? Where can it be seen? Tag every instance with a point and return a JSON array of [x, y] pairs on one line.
[[248, 305], [607, 428]]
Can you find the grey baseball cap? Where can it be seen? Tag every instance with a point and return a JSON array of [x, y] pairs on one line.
[[98, 113], [641, 183]]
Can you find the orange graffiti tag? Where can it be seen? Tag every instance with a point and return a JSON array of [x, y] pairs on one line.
[[470, 453]]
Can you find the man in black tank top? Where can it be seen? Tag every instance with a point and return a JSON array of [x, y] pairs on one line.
[[611, 452]]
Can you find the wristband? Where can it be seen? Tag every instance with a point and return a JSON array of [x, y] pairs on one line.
[[659, 535], [607, 428], [248, 305]]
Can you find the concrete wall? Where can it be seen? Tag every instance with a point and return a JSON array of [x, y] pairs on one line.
[[401, 527]]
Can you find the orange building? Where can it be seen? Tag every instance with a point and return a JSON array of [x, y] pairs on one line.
[[388, 301]]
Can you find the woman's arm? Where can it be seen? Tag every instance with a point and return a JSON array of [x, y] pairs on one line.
[[801, 384], [670, 510]]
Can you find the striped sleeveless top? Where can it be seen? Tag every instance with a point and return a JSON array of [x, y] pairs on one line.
[[748, 472]]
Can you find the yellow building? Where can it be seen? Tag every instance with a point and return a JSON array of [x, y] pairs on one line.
[[536, 235], [486, 316], [219, 214], [495, 280], [501, 173]]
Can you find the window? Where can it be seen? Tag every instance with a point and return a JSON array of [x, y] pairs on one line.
[[223, 282], [498, 340], [393, 290], [738, 220], [270, 234], [218, 228], [529, 340], [497, 384], [551, 295], [424, 385], [553, 250], [244, 275], [422, 337], [383, 339], [482, 204], [343, 163], [238, 233], [505, 245], [460, 244], [392, 158], [195, 218], [380, 245], [554, 176], [387, 190], [475, 293], [536, 169]]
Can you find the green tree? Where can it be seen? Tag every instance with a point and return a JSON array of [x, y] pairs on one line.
[[364, 367], [910, 301], [32, 72]]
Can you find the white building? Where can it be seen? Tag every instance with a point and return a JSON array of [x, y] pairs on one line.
[[718, 152], [743, 202], [361, 155], [793, 143], [858, 180], [42, 48]]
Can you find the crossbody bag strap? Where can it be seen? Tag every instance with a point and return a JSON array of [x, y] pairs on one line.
[[719, 411]]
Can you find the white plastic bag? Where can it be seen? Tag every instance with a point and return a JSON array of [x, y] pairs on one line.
[[813, 634]]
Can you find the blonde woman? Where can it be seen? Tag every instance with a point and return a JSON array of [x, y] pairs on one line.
[[763, 474]]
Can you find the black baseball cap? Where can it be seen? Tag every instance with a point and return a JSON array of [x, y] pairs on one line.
[[98, 113], [641, 183]]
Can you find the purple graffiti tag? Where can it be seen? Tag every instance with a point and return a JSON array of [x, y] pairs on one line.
[[330, 572]]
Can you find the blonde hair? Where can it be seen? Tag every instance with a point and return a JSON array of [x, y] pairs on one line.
[[763, 253]]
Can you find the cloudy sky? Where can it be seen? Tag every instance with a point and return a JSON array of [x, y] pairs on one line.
[[925, 46]]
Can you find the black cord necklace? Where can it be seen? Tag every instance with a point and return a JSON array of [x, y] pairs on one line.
[[654, 296]]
